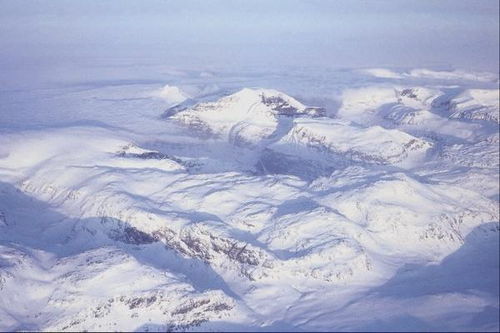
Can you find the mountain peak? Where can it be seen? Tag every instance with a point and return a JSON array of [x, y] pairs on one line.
[[246, 117]]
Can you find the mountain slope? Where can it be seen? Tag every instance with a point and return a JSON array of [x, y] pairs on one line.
[[253, 212]]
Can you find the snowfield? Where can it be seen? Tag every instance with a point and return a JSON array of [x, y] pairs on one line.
[[210, 206]]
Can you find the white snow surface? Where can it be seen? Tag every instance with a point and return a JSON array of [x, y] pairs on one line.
[[477, 104], [201, 205], [171, 94]]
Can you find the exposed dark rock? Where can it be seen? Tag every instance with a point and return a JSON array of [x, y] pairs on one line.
[[132, 235], [408, 93]]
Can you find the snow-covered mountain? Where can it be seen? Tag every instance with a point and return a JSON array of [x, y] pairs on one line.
[[482, 104], [254, 211], [350, 143], [244, 118]]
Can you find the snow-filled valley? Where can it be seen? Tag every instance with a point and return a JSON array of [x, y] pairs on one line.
[[353, 200]]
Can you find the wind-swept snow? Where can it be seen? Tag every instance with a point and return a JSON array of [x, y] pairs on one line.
[[221, 208]]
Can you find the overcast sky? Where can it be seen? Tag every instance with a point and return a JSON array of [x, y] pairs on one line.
[[396, 33]]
